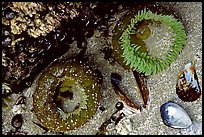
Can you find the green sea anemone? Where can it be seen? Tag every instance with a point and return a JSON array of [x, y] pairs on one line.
[[67, 95], [138, 41]]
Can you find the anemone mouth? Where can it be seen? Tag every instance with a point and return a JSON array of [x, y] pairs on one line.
[[144, 48], [70, 98]]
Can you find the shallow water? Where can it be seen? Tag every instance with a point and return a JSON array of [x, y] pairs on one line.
[[161, 86]]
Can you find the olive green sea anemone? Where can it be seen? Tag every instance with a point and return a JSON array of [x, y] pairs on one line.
[[136, 53], [67, 95]]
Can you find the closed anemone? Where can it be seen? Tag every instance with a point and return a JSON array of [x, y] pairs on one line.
[[67, 95], [150, 42]]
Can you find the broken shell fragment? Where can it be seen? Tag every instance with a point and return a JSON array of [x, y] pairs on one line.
[[19, 106], [20, 100], [187, 86], [124, 127], [174, 116]]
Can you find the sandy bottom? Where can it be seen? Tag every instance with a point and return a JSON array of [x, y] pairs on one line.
[[161, 86]]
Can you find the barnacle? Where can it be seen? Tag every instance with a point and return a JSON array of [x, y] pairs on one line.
[[136, 51], [67, 95]]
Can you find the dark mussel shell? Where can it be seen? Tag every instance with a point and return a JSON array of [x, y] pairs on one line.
[[174, 115], [116, 81], [187, 86]]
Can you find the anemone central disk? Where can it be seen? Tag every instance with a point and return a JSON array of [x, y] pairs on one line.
[[160, 40], [69, 95]]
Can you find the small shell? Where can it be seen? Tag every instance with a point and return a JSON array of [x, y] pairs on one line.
[[17, 121], [174, 116], [187, 86], [102, 108], [119, 105]]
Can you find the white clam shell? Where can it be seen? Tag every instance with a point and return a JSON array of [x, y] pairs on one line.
[[174, 116]]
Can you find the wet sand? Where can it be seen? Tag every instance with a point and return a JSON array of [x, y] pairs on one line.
[[161, 86]]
